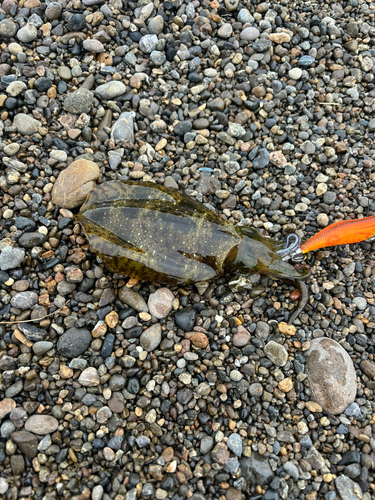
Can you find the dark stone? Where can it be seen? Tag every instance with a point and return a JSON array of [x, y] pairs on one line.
[[30, 240], [256, 470], [32, 332], [74, 342], [24, 223], [185, 319], [26, 442], [42, 84], [107, 346], [350, 457]]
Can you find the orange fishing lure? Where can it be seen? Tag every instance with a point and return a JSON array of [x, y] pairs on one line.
[[341, 233]]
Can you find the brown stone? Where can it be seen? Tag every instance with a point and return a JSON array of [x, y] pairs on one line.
[[6, 406], [75, 183], [116, 402], [368, 367], [198, 339], [279, 37], [331, 375], [242, 337]]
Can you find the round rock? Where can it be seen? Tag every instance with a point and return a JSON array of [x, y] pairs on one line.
[[28, 33], [75, 183], [276, 353], [89, 377], [331, 375], [74, 342], [41, 424], [160, 303]]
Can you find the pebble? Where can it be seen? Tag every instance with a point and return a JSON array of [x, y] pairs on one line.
[[89, 377], [122, 131], [331, 375], [74, 342], [41, 424], [242, 337], [28, 33], [75, 183], [234, 443], [133, 299], [151, 338], [11, 258], [6, 406], [148, 43], [79, 101], [276, 353], [26, 124], [111, 89], [160, 303]]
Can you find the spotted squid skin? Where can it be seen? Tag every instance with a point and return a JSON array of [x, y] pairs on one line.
[[153, 233]]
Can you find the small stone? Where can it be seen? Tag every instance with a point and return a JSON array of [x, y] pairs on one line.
[[41, 424], [231, 5], [122, 130], [4, 486], [286, 385], [360, 303], [148, 43], [16, 88], [92, 45], [322, 220], [78, 102], [6, 406], [249, 34], [313, 407], [295, 73], [331, 375], [262, 159], [280, 38], [160, 303], [242, 337], [26, 442], [225, 31], [8, 28], [111, 89], [286, 329], [41, 347], [24, 300], [151, 338], [198, 339], [53, 11], [234, 443], [26, 124], [133, 299], [75, 183], [28, 33], [74, 342], [278, 159], [89, 377], [276, 353], [11, 258], [368, 367], [347, 488]]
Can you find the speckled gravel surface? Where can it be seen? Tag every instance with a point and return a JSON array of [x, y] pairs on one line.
[[263, 111]]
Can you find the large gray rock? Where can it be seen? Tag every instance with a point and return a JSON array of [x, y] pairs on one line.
[[256, 470], [331, 375]]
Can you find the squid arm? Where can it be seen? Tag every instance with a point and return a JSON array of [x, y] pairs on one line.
[[341, 233]]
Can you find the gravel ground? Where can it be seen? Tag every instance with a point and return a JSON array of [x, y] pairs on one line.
[[264, 112]]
